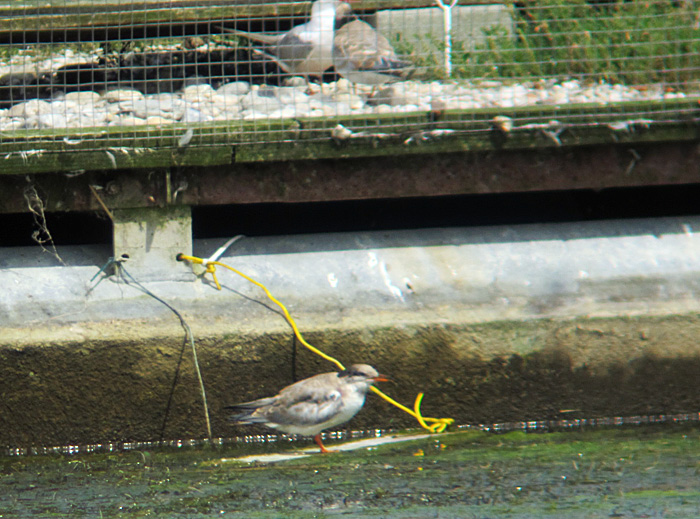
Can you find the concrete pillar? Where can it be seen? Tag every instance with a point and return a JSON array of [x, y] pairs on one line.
[[148, 239]]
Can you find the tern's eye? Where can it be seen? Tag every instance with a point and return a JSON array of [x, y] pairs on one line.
[[351, 373]]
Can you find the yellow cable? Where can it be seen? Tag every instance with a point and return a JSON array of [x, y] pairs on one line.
[[439, 424], [416, 408]]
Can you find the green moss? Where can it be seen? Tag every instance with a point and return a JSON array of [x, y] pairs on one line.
[[631, 42], [580, 474]]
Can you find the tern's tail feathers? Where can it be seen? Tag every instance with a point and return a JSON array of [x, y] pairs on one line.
[[394, 67], [267, 39], [245, 413]]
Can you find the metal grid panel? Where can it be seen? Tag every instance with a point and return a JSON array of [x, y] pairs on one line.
[[114, 75]]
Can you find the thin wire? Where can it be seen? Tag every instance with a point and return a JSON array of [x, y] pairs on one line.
[[124, 274], [176, 376]]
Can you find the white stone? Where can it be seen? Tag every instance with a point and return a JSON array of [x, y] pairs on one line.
[[284, 113], [12, 124], [198, 92], [30, 108], [115, 96], [205, 108], [295, 81], [192, 115], [88, 118], [254, 101], [166, 102], [84, 98], [128, 120], [230, 110], [156, 120], [31, 123], [64, 106], [352, 100], [252, 115], [406, 108], [236, 88], [343, 85], [52, 121], [146, 107], [292, 95]]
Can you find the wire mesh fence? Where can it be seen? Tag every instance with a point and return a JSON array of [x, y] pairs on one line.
[[98, 74]]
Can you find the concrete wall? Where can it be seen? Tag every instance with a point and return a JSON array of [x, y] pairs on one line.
[[501, 323]]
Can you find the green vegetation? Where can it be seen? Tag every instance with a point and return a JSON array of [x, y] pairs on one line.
[[632, 42], [630, 472]]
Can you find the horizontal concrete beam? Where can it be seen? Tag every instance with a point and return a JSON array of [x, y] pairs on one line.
[[505, 171], [518, 272]]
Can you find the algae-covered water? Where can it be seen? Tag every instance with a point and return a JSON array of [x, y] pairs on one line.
[[649, 471]]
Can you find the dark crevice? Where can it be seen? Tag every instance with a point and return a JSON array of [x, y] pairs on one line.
[[385, 214]]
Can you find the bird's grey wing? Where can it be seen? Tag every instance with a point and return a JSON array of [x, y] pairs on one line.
[[267, 39], [358, 46], [313, 405], [292, 49]]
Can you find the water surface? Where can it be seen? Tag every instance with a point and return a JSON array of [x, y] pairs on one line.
[[631, 471]]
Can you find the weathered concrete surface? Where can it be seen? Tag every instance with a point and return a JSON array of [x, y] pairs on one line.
[[494, 324], [151, 238], [99, 390]]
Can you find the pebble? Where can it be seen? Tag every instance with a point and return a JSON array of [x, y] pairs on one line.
[[84, 98], [52, 121], [192, 115], [198, 92], [235, 88], [115, 96], [142, 108], [30, 108], [239, 100], [156, 120], [89, 118], [128, 120]]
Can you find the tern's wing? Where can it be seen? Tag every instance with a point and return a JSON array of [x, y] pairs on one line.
[[267, 39], [314, 401], [294, 48], [358, 46]]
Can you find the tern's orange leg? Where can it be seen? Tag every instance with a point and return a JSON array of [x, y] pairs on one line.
[[318, 441]]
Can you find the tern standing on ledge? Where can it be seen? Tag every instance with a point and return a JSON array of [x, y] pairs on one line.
[[311, 405]]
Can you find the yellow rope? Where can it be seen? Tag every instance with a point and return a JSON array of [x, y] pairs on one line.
[[438, 424]]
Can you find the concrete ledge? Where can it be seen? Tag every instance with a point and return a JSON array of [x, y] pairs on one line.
[[479, 274], [503, 323]]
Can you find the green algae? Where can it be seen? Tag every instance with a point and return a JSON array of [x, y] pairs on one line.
[[634, 471]]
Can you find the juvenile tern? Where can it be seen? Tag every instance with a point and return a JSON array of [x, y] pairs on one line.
[[311, 405]]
